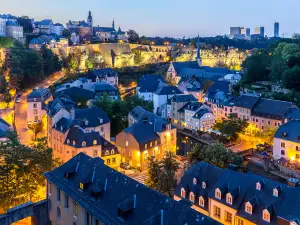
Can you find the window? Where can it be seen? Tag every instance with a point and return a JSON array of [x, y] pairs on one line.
[[102, 129], [57, 194], [282, 145], [182, 193], [155, 142], [146, 156], [49, 188], [217, 212], [83, 144], [145, 146], [95, 142], [228, 217], [95, 154], [81, 186], [108, 161], [282, 152], [297, 148], [58, 213], [297, 156], [150, 144], [203, 185], [34, 105], [113, 160], [126, 143], [194, 181], [258, 186], [275, 192], [201, 201], [75, 208], [266, 216], [112, 152], [218, 194], [66, 201], [106, 152], [240, 221], [168, 127], [229, 199], [74, 143], [192, 197], [248, 208]]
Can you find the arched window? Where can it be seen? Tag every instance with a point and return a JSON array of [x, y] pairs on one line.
[[182, 193], [258, 186], [106, 152], [74, 143], [203, 185], [248, 208], [83, 144], [192, 197], [218, 194], [195, 181], [58, 213], [201, 201], [112, 152], [108, 161], [275, 192], [229, 198], [95, 142], [266, 216]]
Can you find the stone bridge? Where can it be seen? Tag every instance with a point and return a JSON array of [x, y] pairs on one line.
[[37, 211]]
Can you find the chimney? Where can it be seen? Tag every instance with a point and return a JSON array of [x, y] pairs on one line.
[[61, 128], [293, 182]]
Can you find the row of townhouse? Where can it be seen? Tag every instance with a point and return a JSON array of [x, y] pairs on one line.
[[71, 130], [86, 191], [230, 197], [147, 135]]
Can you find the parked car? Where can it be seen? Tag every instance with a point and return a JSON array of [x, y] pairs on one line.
[[18, 98], [125, 166]]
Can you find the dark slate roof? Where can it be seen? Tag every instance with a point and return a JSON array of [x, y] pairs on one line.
[[45, 22], [63, 125], [142, 132], [105, 87], [201, 112], [188, 64], [38, 41], [150, 83], [142, 115], [92, 116], [76, 93], [2, 121], [4, 128], [271, 108], [101, 73], [289, 131], [183, 98], [64, 102], [246, 101], [104, 29], [12, 23], [168, 90], [193, 106], [293, 114], [243, 189], [119, 192], [39, 94], [220, 86]]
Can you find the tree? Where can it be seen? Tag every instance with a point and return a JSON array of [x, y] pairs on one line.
[[51, 61], [291, 78], [133, 36], [71, 63], [267, 135], [231, 126], [220, 64], [6, 42], [215, 154], [89, 63], [22, 169], [235, 89], [207, 84], [162, 173]]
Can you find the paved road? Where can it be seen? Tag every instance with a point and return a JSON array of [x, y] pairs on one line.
[[26, 135], [242, 146]]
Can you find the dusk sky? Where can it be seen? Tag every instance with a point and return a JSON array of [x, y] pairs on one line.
[[167, 17]]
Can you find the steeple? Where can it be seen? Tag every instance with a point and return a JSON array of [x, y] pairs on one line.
[[113, 24], [198, 58], [90, 19]]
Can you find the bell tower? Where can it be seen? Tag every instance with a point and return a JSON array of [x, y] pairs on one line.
[[90, 19]]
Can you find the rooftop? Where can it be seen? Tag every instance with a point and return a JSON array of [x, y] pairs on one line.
[[289, 131]]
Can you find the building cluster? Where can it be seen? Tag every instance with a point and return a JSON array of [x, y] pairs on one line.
[[10, 27], [245, 33], [230, 197], [86, 191]]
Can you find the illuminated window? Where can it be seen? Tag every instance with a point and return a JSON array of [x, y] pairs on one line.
[[145, 155], [83, 144], [146, 146], [106, 152], [195, 181], [229, 199], [81, 186], [95, 142], [75, 208], [218, 194], [228, 217], [203, 185], [201, 201], [108, 161], [192, 197], [113, 160], [258, 186], [282, 145], [58, 213], [217, 212], [126, 143], [248, 208], [74, 143], [266, 216], [112, 152], [182, 193], [275, 192], [240, 221]]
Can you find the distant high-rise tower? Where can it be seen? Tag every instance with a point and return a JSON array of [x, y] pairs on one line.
[[90, 19], [248, 32], [276, 29], [198, 58], [235, 31], [113, 24], [260, 31]]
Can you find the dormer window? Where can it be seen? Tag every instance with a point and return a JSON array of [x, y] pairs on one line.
[[101, 121], [248, 208], [218, 194], [81, 186], [203, 185], [86, 122], [195, 181], [258, 186], [106, 152], [74, 143], [68, 141], [145, 146], [266, 216], [201, 201], [182, 193], [192, 197], [229, 198], [95, 142], [112, 152], [275, 192], [168, 127], [83, 144]]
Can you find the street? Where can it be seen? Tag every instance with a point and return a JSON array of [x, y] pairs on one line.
[[26, 135], [242, 146]]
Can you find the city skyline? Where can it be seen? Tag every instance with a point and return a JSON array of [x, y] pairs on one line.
[[170, 19]]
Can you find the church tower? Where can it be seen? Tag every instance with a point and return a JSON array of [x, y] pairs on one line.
[[198, 58], [90, 19], [113, 24]]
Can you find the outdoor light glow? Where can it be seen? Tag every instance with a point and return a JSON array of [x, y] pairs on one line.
[[168, 134]]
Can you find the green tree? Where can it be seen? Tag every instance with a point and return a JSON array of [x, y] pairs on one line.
[[6, 42], [231, 126], [133, 36], [89, 63], [267, 135], [51, 61], [162, 174], [291, 78], [22, 169], [71, 63], [217, 155]]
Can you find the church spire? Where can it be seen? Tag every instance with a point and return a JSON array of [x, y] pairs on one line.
[[198, 58], [113, 24]]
